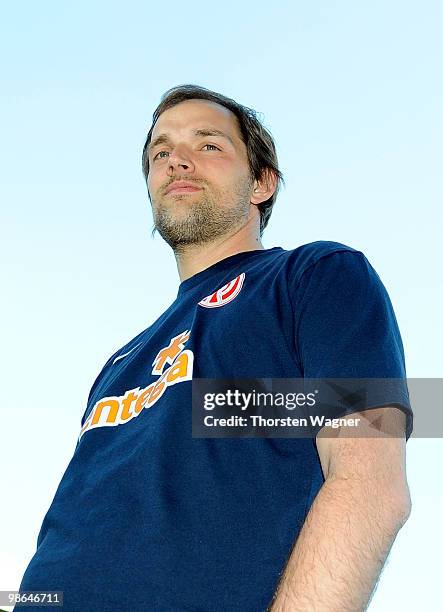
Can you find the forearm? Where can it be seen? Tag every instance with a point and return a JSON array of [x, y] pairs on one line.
[[341, 549]]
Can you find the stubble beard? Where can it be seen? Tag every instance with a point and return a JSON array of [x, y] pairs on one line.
[[205, 218]]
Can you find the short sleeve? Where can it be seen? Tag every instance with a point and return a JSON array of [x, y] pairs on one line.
[[345, 327]]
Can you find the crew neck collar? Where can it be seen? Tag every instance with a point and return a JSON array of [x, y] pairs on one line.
[[223, 264]]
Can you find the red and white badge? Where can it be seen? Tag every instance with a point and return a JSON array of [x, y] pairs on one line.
[[224, 295]]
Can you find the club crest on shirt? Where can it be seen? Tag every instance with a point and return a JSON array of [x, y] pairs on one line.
[[225, 294]]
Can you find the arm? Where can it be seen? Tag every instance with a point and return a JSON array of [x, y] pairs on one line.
[[352, 524]]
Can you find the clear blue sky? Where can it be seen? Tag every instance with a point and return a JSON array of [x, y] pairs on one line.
[[352, 93]]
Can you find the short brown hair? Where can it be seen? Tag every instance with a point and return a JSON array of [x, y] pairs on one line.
[[259, 142]]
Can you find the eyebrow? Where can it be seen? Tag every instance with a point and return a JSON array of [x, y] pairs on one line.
[[165, 138]]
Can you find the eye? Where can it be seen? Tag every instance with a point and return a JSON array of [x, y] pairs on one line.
[[206, 145], [155, 156]]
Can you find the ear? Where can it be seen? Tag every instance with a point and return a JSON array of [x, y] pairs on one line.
[[265, 187]]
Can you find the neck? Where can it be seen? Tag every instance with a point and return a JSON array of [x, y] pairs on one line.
[[193, 258]]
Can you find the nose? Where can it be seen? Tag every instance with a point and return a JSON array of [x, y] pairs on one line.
[[178, 159]]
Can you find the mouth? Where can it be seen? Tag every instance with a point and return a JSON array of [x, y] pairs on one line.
[[178, 190]]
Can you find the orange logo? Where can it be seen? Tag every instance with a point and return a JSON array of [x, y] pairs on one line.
[[116, 410]]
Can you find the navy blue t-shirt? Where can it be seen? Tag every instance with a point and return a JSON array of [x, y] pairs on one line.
[[146, 517]]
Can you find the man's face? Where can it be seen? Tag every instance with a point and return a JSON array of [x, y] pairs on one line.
[[216, 164]]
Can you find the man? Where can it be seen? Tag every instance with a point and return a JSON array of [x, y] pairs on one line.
[[147, 517]]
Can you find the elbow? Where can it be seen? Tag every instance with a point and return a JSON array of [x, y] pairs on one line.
[[401, 505], [405, 510]]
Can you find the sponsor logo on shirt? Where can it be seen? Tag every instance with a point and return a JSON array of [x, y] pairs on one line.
[[173, 363], [224, 295]]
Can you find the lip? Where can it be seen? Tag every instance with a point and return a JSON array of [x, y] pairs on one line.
[[181, 187]]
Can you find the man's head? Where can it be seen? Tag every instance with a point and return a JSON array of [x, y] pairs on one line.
[[235, 170]]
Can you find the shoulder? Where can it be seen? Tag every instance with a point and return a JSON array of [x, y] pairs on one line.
[[309, 253], [306, 256]]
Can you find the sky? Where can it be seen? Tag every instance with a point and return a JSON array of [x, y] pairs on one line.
[[352, 94]]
